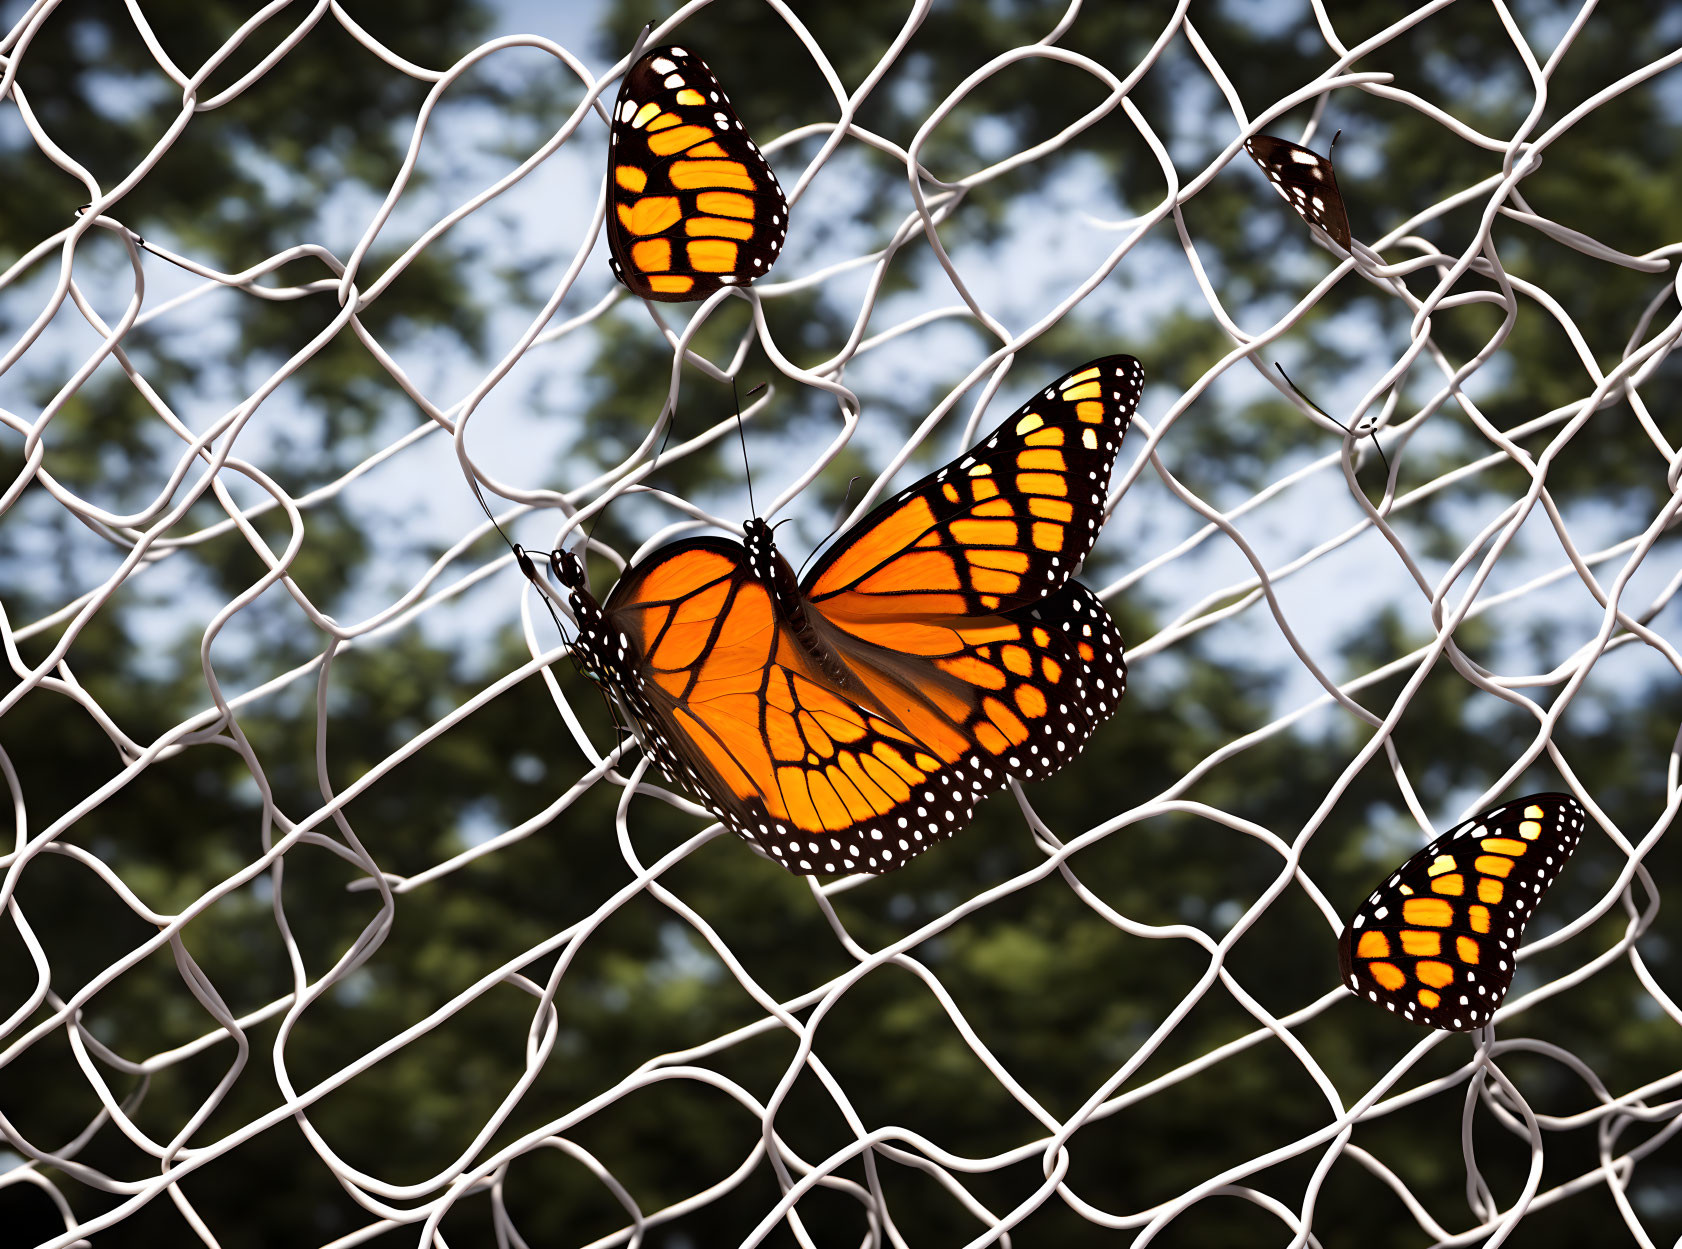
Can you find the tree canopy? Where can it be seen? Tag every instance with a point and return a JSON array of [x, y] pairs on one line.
[[1060, 993]]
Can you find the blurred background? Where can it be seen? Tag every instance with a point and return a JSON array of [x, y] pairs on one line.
[[1062, 996]]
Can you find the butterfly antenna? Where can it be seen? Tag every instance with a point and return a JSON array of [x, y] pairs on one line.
[[741, 435], [835, 528], [138, 241], [473, 483], [590, 533], [664, 439], [521, 556], [1376, 445], [524, 559], [1329, 148]]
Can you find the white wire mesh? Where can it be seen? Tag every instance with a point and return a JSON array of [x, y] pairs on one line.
[[213, 468]]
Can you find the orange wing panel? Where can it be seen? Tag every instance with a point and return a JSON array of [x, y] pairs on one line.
[[999, 528]]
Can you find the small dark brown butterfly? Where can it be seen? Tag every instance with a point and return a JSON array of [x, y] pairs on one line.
[[1436, 943], [1306, 180]]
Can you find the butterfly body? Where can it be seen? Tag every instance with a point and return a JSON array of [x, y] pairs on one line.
[[1437, 942], [1306, 180], [850, 720], [792, 608], [693, 205]]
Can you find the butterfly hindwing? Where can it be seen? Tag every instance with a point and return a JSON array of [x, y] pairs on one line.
[[692, 203], [1437, 942], [1306, 180], [999, 528], [1078, 670]]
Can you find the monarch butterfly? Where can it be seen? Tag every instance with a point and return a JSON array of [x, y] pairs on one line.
[[1436, 942], [1306, 180], [694, 205], [850, 720]]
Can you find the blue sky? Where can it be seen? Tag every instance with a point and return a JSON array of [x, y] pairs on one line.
[[521, 431]]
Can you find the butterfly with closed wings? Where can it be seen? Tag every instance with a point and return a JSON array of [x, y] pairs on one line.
[[1306, 180], [1438, 941], [693, 204], [849, 720]]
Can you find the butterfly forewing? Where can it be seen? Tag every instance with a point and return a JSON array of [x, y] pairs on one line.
[[1000, 527], [1437, 942], [693, 204], [1306, 180]]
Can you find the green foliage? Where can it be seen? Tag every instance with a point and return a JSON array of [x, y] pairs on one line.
[[1061, 995]]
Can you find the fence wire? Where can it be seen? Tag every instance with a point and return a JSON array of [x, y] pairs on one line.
[[217, 469]]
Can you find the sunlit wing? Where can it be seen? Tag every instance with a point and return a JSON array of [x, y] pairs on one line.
[[997, 529], [866, 770], [693, 205], [1437, 942], [1306, 180]]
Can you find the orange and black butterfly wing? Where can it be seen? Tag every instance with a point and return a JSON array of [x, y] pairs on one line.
[[1001, 527], [1306, 180], [852, 769], [732, 706], [693, 204], [1437, 942], [1086, 688], [939, 649], [998, 696], [667, 618], [1020, 691]]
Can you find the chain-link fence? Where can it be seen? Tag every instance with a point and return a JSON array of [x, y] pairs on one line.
[[1230, 560]]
